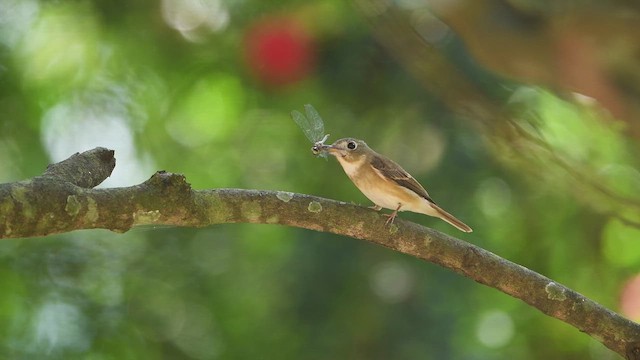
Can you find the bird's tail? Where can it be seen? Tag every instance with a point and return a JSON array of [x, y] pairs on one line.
[[451, 219]]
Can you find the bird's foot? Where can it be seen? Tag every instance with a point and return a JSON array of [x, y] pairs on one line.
[[390, 219], [392, 216]]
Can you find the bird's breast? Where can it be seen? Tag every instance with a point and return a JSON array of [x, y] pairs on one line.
[[382, 192], [351, 168]]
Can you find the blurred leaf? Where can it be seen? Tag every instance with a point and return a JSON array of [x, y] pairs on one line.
[[620, 244], [208, 112]]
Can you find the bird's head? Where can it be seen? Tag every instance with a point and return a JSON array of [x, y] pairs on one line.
[[349, 149]]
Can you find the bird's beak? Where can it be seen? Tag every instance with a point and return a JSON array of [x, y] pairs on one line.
[[335, 151], [331, 149]]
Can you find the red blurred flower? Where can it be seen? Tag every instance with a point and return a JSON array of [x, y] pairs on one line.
[[278, 51]]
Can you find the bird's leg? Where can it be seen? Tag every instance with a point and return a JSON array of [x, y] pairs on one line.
[[393, 215], [375, 207]]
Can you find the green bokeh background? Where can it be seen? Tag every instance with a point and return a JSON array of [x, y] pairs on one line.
[[179, 95]]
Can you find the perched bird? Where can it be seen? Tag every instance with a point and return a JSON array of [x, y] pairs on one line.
[[385, 183]]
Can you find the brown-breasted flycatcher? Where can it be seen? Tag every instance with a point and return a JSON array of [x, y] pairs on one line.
[[384, 182]]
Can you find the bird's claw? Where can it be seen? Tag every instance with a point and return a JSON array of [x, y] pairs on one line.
[[390, 219], [392, 216]]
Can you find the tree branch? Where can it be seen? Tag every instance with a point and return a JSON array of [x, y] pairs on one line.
[[63, 200]]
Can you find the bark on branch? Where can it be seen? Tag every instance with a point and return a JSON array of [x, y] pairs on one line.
[[62, 200]]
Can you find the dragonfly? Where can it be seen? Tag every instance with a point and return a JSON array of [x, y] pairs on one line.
[[313, 128]]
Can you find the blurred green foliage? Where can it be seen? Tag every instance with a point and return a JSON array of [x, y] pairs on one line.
[[169, 85]]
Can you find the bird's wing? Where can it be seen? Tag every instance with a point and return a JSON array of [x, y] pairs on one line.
[[393, 171]]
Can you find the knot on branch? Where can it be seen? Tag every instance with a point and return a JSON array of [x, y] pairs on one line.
[[167, 182]]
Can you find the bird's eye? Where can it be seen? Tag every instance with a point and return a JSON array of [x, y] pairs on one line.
[[351, 145]]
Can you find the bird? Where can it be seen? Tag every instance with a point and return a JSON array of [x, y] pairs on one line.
[[386, 183]]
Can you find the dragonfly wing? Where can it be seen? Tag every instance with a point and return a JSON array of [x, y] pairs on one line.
[[315, 121], [304, 125]]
